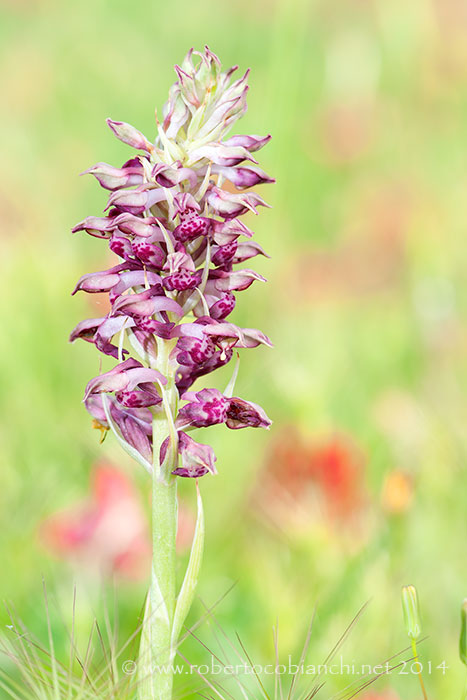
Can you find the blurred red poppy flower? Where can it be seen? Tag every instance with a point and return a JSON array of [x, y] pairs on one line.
[[322, 474]]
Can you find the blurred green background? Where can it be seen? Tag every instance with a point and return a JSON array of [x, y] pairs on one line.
[[360, 487]]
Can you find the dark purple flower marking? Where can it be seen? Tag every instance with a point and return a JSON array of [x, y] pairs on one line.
[[149, 253], [207, 407], [224, 254], [182, 272], [191, 228], [182, 280], [224, 306]]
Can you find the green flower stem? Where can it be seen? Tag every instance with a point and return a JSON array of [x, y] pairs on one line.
[[162, 590], [156, 652]]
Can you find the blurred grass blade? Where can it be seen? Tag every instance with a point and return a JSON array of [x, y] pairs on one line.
[[463, 634]]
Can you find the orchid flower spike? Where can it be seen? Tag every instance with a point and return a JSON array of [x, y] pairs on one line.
[[177, 233], [174, 221]]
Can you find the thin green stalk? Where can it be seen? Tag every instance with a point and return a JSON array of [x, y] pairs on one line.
[[419, 672]]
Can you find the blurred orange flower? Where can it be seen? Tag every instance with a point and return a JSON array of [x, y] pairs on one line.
[[397, 493]]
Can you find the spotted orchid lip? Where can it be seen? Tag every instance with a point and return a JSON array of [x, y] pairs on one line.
[[210, 407], [178, 235]]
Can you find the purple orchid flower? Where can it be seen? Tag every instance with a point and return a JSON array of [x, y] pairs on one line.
[[197, 459], [133, 424], [210, 407], [131, 382]]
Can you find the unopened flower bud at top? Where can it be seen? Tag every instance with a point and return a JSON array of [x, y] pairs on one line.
[[411, 612], [129, 135], [463, 634]]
